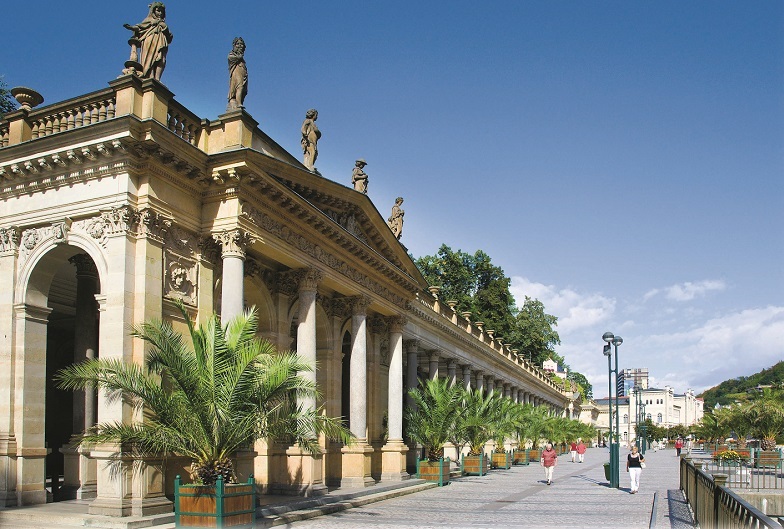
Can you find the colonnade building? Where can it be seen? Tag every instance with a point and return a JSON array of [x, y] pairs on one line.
[[118, 203]]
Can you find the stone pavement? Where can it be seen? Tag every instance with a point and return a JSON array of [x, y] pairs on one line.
[[519, 497], [516, 498]]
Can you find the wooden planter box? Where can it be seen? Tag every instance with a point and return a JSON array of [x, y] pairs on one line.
[[222, 505], [502, 460], [520, 457], [767, 459], [533, 455], [436, 471], [475, 465]]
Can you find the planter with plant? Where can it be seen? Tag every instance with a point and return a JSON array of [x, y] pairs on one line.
[[430, 422], [206, 399]]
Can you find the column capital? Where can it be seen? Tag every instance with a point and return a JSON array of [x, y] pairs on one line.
[[9, 239], [308, 279], [84, 265], [412, 345], [359, 305], [233, 242], [434, 354], [396, 323]]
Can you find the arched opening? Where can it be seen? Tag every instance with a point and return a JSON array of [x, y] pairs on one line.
[[59, 304]]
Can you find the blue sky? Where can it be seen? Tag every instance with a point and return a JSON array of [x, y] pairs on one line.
[[623, 162]]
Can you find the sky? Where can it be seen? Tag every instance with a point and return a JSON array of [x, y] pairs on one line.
[[622, 162]]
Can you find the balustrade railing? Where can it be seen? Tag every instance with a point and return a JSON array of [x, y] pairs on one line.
[[59, 118], [714, 504], [183, 122]]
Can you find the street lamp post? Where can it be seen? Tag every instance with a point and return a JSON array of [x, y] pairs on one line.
[[643, 430], [615, 463]]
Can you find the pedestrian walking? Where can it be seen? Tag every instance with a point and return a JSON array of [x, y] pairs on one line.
[[573, 451], [635, 462], [678, 446], [581, 448], [549, 460]]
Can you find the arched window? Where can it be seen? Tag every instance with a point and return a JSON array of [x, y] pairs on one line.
[[624, 435], [625, 418], [648, 417], [659, 418]]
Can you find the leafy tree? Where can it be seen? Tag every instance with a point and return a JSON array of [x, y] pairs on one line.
[[205, 399], [766, 417], [586, 389], [737, 389], [535, 334], [7, 103]]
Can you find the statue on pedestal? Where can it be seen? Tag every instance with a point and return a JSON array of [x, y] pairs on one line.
[[154, 37], [359, 177], [238, 75], [395, 220], [310, 138]]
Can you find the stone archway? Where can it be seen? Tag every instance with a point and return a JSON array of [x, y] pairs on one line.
[[56, 324]]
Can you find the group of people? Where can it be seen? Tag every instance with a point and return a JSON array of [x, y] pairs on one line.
[[548, 459]]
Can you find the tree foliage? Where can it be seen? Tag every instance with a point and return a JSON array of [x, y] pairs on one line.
[[220, 393], [737, 389], [7, 103], [480, 287]]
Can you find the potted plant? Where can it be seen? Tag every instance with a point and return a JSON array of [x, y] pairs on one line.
[[477, 429], [430, 422], [205, 399], [506, 416]]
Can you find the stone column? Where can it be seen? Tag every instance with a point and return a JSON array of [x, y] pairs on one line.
[[306, 466], [451, 371], [467, 377], [434, 360], [490, 384], [9, 240], [79, 475], [393, 462], [412, 381], [234, 243], [480, 380], [30, 404], [356, 458], [508, 390]]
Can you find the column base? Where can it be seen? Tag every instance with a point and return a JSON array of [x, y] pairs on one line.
[[357, 466], [304, 474], [393, 461], [110, 507]]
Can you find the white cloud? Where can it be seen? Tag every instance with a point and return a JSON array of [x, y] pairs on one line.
[[687, 291], [574, 310]]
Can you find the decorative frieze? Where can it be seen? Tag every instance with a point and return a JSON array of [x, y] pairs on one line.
[[153, 225], [270, 225], [348, 221], [180, 262]]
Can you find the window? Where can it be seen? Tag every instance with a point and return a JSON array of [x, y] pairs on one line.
[[625, 418], [648, 417], [659, 418]]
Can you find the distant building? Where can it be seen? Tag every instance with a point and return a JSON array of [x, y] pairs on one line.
[[550, 366], [662, 406], [628, 378]]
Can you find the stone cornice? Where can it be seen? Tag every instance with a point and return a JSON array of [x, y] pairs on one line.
[[317, 252], [469, 343]]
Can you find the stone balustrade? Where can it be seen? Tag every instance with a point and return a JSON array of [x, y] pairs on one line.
[[183, 122], [463, 322], [58, 119]]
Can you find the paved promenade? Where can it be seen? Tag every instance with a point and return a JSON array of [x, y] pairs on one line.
[[516, 498], [519, 497]]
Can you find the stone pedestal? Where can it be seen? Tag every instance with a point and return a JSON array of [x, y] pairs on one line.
[[393, 461], [79, 473], [356, 466], [305, 472]]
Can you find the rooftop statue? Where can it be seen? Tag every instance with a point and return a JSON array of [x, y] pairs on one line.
[[310, 138], [395, 220], [359, 177], [238, 75], [154, 37]]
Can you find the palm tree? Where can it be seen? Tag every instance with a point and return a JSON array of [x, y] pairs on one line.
[[734, 419], [479, 409], [431, 420], [711, 429], [208, 398], [536, 423], [766, 415]]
